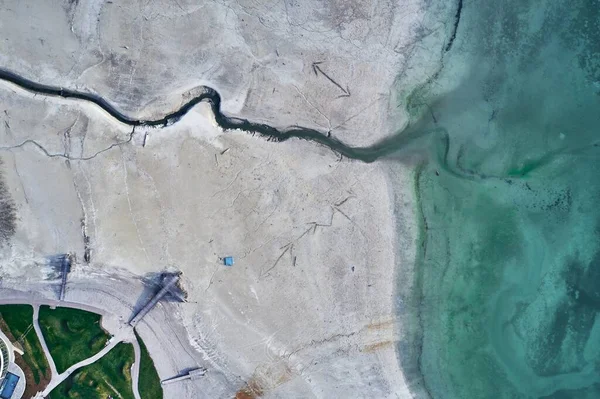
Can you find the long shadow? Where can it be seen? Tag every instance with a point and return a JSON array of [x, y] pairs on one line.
[[153, 282]]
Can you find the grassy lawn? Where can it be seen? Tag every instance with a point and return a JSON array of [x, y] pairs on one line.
[[16, 321], [72, 335], [149, 386], [110, 376]]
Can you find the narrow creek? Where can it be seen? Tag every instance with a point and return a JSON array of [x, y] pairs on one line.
[[395, 142]]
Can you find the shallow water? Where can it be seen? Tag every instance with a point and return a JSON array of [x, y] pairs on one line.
[[510, 268]]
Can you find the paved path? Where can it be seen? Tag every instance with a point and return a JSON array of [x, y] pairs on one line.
[[38, 331], [114, 341], [114, 298], [20, 388], [135, 369], [58, 378]]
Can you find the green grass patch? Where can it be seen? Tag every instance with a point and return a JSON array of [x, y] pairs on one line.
[[72, 335], [149, 385], [110, 376], [16, 321]]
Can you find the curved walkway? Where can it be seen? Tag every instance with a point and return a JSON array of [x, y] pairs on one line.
[[57, 378], [20, 388], [114, 299], [135, 369], [38, 331]]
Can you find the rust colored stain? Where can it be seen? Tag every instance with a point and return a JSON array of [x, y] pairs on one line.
[[377, 346], [381, 325], [252, 390], [244, 395], [265, 378]]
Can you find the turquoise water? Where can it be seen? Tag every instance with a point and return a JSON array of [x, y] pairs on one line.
[[509, 271]]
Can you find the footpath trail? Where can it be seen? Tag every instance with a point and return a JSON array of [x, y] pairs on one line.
[[135, 369], [57, 379], [38, 331]]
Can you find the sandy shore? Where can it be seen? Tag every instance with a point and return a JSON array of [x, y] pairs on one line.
[[311, 295], [323, 246]]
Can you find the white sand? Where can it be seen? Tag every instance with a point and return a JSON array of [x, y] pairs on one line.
[[308, 308]]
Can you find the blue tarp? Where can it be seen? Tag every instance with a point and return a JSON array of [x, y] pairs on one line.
[[228, 260], [8, 385]]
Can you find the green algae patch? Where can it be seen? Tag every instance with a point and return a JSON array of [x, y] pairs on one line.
[[459, 273]]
